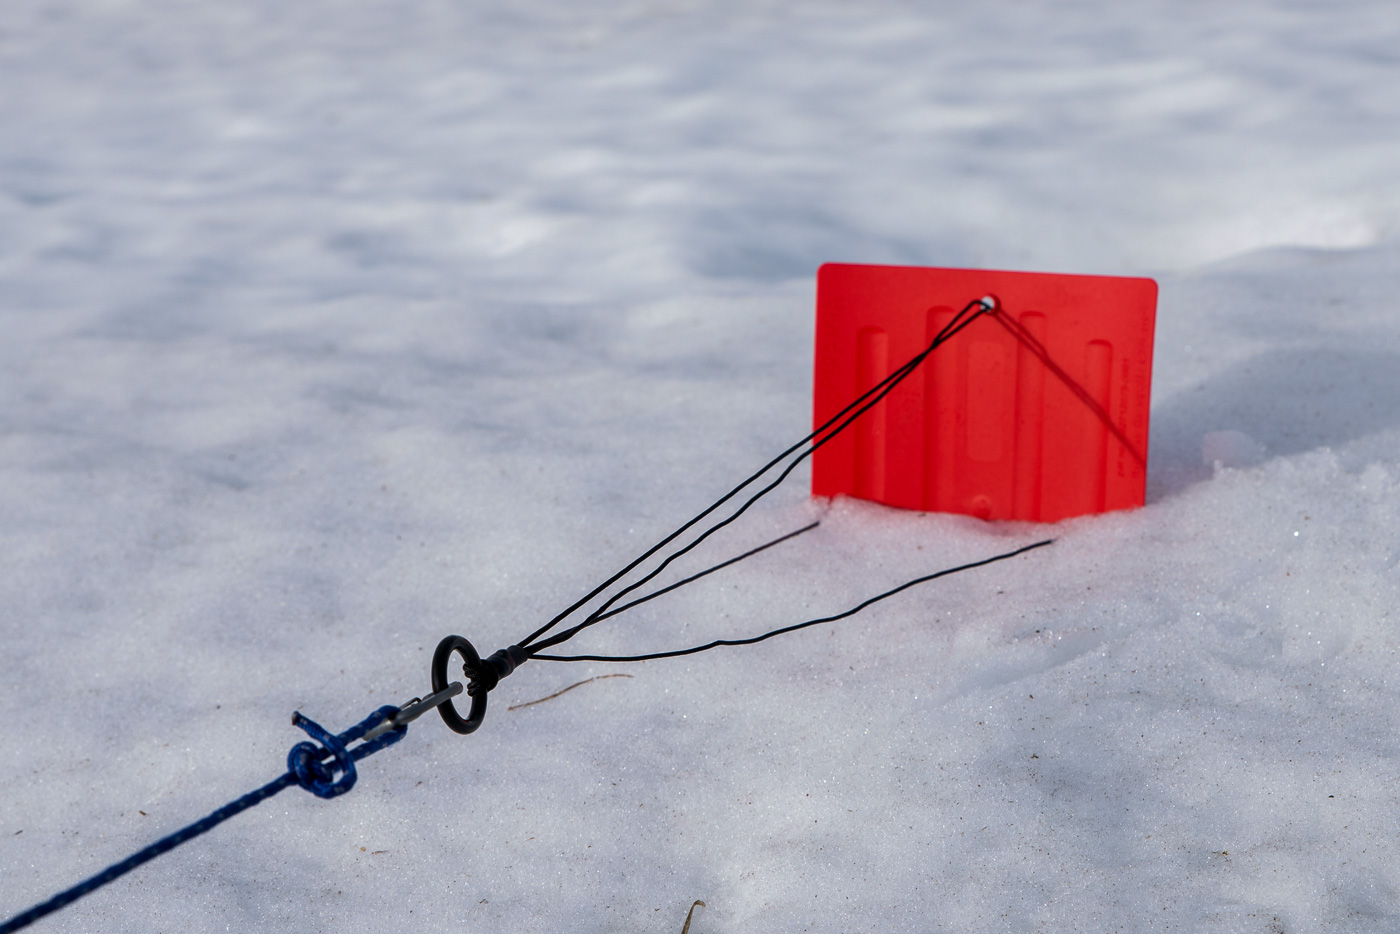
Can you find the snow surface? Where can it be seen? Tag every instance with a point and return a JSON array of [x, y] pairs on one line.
[[330, 329]]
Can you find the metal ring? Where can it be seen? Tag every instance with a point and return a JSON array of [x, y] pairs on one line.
[[454, 721]]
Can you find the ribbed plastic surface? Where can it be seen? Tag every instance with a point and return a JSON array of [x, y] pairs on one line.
[[1039, 412]]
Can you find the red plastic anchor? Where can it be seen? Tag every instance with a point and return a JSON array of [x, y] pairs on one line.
[[1039, 412]]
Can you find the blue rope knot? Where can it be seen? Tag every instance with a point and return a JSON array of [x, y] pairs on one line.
[[308, 761], [306, 765]]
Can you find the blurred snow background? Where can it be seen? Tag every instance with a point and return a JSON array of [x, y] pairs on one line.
[[329, 329]]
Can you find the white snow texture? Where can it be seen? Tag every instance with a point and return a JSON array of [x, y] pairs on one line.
[[328, 329]]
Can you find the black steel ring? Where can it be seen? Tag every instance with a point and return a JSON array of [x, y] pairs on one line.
[[449, 713]]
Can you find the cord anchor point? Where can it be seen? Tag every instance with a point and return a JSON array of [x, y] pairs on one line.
[[482, 677]]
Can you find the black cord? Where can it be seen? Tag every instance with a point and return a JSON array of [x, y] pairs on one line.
[[948, 331], [695, 577], [796, 626], [823, 434]]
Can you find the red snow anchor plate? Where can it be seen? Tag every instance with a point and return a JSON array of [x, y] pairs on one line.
[[1036, 411]]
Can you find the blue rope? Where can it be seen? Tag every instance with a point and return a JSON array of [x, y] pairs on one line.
[[306, 766]]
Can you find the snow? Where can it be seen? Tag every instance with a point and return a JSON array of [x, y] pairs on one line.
[[331, 329]]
